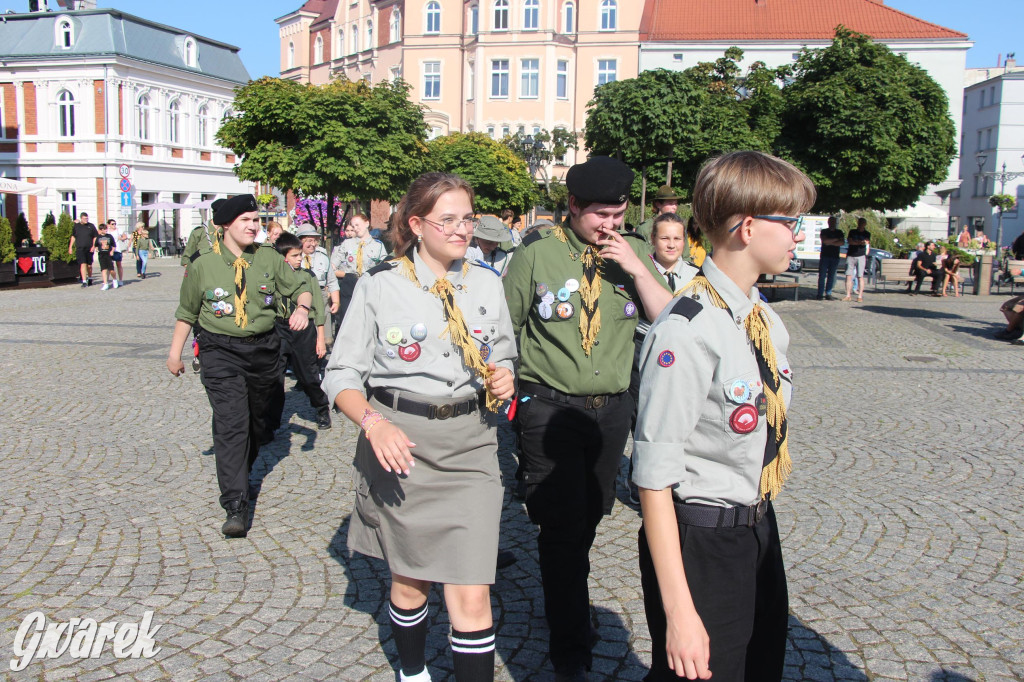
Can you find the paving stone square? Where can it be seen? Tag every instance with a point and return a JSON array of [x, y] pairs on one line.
[[900, 524]]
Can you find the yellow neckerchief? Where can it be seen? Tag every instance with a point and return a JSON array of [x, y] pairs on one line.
[[777, 469], [456, 329], [307, 261], [359, 259], [240, 264], [590, 289]]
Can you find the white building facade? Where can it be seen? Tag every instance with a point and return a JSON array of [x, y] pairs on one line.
[[87, 92]]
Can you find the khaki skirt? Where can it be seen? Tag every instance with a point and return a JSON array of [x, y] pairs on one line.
[[440, 523]]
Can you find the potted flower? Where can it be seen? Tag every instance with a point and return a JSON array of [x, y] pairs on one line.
[[7, 274], [57, 239]]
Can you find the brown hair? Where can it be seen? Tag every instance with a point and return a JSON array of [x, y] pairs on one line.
[[507, 214], [665, 218], [419, 201], [747, 183], [360, 215]]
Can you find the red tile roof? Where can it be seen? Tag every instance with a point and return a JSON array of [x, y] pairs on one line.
[[688, 20], [324, 8]]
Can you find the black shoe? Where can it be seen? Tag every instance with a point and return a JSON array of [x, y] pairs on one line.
[[506, 559], [830, 297], [571, 674], [1015, 334], [819, 298], [84, 284], [520, 491], [234, 526], [323, 418], [89, 281]]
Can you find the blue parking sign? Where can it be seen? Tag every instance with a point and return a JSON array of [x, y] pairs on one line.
[[126, 199]]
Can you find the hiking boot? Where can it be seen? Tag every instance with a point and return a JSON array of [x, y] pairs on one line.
[[234, 526], [323, 418]]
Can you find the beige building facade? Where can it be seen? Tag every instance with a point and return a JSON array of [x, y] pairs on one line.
[[493, 66]]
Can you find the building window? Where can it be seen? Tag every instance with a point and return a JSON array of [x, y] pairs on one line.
[[992, 95], [988, 139], [396, 25], [142, 120], [499, 78], [173, 119], [369, 35], [562, 80], [474, 20], [66, 113], [521, 130], [529, 83], [569, 18], [606, 71], [609, 9], [318, 50], [291, 55], [69, 203], [202, 127], [433, 17], [500, 15], [505, 132], [339, 46], [65, 34], [355, 39], [190, 52], [979, 141], [490, 132], [471, 78], [431, 80], [531, 15], [560, 159], [435, 132], [396, 73]]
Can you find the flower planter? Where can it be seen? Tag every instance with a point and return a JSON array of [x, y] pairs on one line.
[[58, 271], [7, 273]]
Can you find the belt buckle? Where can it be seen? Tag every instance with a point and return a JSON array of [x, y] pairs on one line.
[[760, 509], [444, 411], [597, 401]]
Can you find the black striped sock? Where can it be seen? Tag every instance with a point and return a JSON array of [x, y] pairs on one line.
[[473, 655], [409, 627]]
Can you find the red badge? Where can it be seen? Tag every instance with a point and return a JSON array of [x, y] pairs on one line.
[[409, 353], [666, 358], [744, 419]]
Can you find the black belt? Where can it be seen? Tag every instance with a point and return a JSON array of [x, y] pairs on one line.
[[237, 339], [428, 410], [708, 516], [585, 401]]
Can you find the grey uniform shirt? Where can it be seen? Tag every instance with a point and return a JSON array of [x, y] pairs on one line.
[[695, 375], [497, 259], [374, 343], [344, 255], [682, 273], [320, 264]]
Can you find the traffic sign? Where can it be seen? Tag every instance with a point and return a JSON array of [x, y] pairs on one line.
[[126, 185], [125, 170], [126, 198]]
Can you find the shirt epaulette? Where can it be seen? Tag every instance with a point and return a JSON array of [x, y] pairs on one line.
[[535, 236], [196, 254], [634, 235], [381, 267], [485, 266], [687, 307]]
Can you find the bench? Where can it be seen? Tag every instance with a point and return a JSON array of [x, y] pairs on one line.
[[893, 270], [774, 285], [1012, 266]]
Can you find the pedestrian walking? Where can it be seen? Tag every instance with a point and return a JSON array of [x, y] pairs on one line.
[[144, 245], [712, 447], [233, 295], [575, 292], [428, 336], [832, 239], [315, 259], [858, 247], [83, 245], [119, 241], [349, 260], [105, 247]]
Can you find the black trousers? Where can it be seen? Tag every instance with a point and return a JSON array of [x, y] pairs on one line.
[[569, 458], [738, 584], [346, 285], [238, 374], [936, 275], [298, 349]]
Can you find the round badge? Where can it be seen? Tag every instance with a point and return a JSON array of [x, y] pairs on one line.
[[548, 298], [228, 308], [217, 306], [219, 293], [744, 419], [630, 309], [572, 285], [563, 294], [761, 402], [739, 392], [485, 352], [418, 331], [544, 310], [564, 310], [409, 353], [542, 289], [351, 259], [393, 335], [390, 352], [666, 358], [217, 313]]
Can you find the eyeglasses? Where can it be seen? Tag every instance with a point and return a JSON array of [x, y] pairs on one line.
[[791, 222], [449, 225]]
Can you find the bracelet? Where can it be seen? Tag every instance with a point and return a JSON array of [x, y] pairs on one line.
[[303, 305], [370, 419]]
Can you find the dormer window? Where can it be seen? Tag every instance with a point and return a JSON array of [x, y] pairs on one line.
[[189, 52], [65, 33]]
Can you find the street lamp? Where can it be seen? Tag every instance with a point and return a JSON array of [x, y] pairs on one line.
[[1003, 177], [536, 154]]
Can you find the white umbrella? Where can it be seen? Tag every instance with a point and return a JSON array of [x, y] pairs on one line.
[[8, 186], [161, 205]]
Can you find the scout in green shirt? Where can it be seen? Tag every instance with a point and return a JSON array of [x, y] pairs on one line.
[[233, 295], [203, 239], [575, 293], [665, 201]]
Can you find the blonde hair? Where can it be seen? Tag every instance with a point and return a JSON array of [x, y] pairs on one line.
[[746, 183], [419, 201]]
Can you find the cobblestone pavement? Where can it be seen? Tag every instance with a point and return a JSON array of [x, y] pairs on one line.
[[900, 524]]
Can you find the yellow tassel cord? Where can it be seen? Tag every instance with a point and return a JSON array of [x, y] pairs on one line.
[[215, 240], [700, 284], [359, 259], [559, 234], [456, 330], [240, 265], [590, 292], [775, 473]]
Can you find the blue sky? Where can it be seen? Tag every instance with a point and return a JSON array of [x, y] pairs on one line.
[[993, 25]]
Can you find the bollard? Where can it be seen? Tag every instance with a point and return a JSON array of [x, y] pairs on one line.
[[983, 275]]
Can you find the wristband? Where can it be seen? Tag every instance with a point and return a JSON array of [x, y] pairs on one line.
[[303, 305], [370, 419]]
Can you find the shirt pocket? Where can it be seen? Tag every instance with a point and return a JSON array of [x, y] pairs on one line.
[[743, 404], [484, 332], [398, 347], [622, 306]]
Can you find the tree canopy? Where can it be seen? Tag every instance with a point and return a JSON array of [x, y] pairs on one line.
[[871, 129], [499, 178]]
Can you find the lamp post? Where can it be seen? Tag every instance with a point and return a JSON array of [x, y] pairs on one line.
[[537, 157], [1003, 177]]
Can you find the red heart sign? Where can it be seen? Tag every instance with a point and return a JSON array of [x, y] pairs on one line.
[[24, 264]]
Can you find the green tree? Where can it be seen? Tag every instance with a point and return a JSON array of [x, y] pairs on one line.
[[500, 179], [870, 128], [21, 231], [6, 242], [345, 139], [57, 237]]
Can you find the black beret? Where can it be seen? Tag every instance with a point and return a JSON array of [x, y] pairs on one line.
[[601, 180], [226, 210]]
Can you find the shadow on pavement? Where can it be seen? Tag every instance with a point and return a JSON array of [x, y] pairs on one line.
[[911, 312], [810, 656]]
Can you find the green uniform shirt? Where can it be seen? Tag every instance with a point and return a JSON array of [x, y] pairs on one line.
[[199, 240], [146, 244], [210, 279], [287, 304], [550, 345]]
